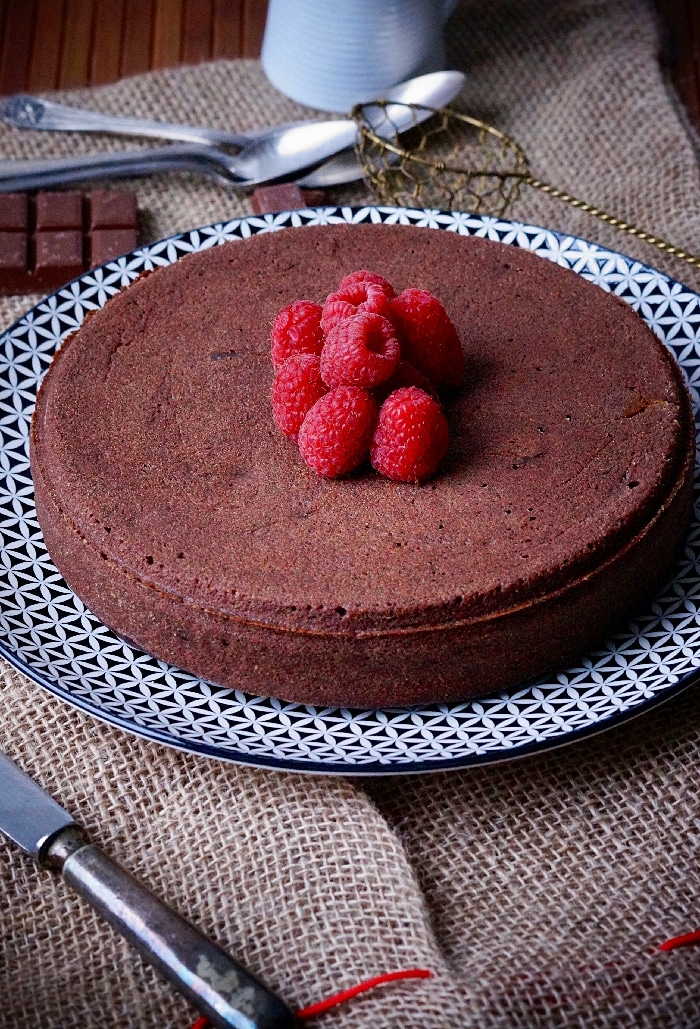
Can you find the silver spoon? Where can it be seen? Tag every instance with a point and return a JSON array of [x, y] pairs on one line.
[[16, 176], [286, 149], [301, 146], [31, 112]]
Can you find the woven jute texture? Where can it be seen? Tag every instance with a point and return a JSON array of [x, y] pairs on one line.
[[537, 890]]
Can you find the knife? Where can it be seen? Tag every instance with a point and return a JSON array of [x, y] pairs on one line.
[[220, 988]]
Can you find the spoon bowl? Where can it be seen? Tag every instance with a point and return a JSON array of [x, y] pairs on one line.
[[263, 157], [290, 148]]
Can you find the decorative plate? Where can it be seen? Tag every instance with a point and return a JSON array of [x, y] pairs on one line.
[[47, 632]]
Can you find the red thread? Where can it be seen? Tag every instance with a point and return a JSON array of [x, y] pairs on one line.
[[339, 998], [687, 940], [323, 1005]]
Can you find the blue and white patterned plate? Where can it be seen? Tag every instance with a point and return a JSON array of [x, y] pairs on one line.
[[47, 632]]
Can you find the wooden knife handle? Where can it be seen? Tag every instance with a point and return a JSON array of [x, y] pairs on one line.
[[219, 987]]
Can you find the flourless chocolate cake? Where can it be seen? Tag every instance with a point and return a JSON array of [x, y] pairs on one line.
[[187, 522]]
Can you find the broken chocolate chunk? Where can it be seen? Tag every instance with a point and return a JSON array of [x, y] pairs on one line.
[[284, 196]]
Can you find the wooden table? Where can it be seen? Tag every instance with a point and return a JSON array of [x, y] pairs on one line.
[[60, 44], [55, 44]]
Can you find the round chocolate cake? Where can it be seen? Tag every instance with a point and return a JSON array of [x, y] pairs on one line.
[[187, 522]]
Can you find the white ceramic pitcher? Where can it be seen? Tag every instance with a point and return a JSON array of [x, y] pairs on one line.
[[331, 54]]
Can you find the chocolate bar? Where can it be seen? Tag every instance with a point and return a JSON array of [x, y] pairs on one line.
[[49, 238]]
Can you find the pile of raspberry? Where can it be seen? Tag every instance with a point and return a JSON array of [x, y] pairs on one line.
[[360, 376]]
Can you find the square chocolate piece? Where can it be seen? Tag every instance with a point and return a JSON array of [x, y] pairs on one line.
[[62, 210], [59, 251], [106, 244], [110, 209], [13, 251], [285, 196], [13, 212]]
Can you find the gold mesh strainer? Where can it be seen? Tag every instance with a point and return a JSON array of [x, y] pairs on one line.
[[453, 161]]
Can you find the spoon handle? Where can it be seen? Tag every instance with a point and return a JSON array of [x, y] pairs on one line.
[[28, 112], [16, 176]]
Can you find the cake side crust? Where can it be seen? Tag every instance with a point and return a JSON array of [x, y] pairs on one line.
[[399, 668]]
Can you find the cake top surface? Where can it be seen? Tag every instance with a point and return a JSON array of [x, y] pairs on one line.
[[154, 432]]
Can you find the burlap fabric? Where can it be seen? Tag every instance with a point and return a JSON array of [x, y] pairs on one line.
[[537, 890]]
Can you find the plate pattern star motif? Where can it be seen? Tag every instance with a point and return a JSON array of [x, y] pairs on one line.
[[49, 634]]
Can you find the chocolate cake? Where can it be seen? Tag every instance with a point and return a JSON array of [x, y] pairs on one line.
[[188, 523]]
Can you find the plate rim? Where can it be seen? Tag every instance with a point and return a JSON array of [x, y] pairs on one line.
[[315, 765]]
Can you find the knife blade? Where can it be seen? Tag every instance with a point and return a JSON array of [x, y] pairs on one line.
[[30, 828], [220, 988]]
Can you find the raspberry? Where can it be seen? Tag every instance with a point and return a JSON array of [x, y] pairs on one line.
[[411, 437], [296, 389], [296, 330], [365, 276], [429, 340], [335, 435], [361, 351], [346, 302], [405, 375]]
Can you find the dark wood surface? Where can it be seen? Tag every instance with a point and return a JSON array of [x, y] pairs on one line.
[[59, 44], [62, 44]]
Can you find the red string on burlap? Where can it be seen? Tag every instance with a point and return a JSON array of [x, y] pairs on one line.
[[339, 998], [687, 940]]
